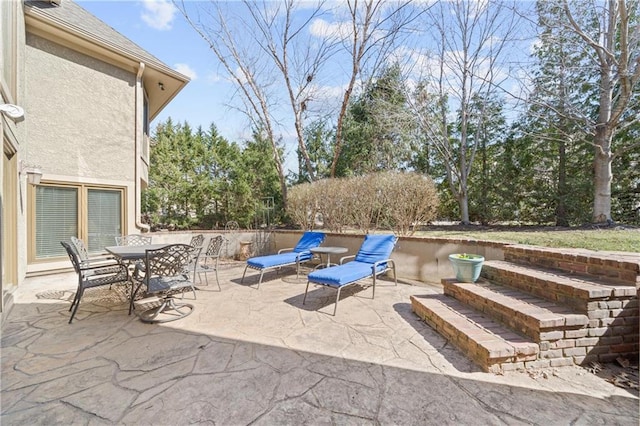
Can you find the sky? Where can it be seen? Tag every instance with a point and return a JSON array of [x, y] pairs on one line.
[[160, 30]]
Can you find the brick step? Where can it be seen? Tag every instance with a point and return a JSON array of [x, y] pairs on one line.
[[537, 318], [491, 345], [615, 268], [577, 292]]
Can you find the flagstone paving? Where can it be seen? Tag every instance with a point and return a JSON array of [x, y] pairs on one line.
[[248, 356]]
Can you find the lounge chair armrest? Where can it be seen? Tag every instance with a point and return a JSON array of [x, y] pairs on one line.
[[308, 252], [351, 256], [375, 264], [285, 249]]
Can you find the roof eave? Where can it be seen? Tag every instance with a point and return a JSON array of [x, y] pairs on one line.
[[155, 72]]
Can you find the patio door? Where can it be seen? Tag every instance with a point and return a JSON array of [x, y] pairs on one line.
[[93, 214]]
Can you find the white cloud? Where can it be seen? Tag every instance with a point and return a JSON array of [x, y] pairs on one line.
[[186, 70], [324, 29], [214, 77], [158, 14]]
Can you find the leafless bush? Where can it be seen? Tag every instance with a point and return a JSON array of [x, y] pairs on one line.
[[393, 200], [365, 206], [335, 206], [301, 205], [409, 199]]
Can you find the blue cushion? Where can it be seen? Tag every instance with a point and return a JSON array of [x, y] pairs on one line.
[[309, 240], [376, 248], [273, 260], [338, 276]]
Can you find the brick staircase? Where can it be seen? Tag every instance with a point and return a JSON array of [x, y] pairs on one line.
[[540, 308]]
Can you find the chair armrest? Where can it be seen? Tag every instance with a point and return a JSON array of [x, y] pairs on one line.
[[138, 271], [103, 261], [89, 268], [285, 249], [351, 256], [375, 264], [301, 253], [115, 269]]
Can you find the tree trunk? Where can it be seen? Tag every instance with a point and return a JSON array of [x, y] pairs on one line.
[[561, 201], [463, 201], [602, 177]]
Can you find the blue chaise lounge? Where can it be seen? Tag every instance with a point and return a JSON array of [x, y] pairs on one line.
[[372, 260], [286, 257]]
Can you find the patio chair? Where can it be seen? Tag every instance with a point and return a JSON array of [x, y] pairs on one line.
[[90, 276], [197, 240], [287, 256], [133, 240], [85, 259], [208, 260], [165, 272], [372, 260]]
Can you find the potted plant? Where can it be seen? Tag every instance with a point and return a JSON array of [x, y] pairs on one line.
[[466, 266]]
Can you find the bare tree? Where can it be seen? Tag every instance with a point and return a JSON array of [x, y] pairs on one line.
[[245, 67], [615, 46], [472, 42], [297, 57], [374, 30], [270, 53]]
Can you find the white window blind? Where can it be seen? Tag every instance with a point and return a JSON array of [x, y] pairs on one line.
[[104, 215], [56, 219]]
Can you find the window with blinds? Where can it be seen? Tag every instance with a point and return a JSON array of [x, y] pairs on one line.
[[104, 207], [92, 214], [56, 219]]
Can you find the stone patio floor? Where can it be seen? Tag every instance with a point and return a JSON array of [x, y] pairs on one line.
[[258, 356]]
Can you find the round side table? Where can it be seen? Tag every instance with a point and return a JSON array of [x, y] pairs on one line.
[[328, 251]]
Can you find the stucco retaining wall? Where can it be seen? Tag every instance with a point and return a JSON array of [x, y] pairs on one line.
[[422, 259]]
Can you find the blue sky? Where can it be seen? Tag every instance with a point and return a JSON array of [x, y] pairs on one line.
[[159, 28], [163, 33]]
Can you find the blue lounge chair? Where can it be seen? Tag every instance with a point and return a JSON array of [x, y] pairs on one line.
[[372, 260], [286, 257]]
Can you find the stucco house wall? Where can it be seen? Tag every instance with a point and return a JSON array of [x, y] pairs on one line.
[[81, 113], [81, 123]]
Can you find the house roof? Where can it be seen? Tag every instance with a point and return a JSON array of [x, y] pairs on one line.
[[71, 25]]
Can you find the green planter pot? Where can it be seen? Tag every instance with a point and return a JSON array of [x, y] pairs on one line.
[[467, 267]]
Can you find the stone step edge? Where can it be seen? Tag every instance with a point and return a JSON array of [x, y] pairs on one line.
[[623, 260], [610, 266], [487, 348], [570, 285], [522, 316]]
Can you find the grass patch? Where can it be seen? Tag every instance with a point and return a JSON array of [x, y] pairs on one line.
[[609, 239]]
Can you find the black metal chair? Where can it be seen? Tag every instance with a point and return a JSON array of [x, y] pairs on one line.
[[165, 272], [90, 276], [208, 261], [83, 254]]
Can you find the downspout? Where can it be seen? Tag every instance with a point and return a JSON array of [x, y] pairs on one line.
[[139, 139]]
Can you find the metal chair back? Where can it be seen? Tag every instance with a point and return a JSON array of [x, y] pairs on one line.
[[197, 240], [133, 240]]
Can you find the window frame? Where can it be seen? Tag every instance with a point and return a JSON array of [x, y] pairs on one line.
[[82, 218]]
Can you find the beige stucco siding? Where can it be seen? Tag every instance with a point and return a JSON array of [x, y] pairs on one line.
[[81, 114]]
